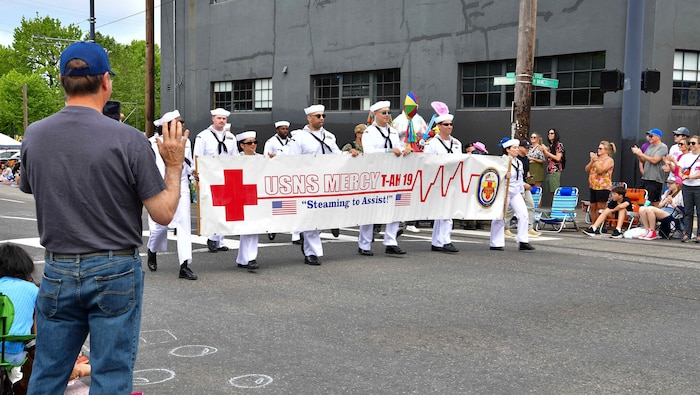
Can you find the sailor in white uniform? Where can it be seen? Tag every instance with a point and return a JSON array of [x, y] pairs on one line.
[[443, 143], [381, 137], [248, 246], [313, 139], [213, 141], [279, 140], [516, 179], [182, 222]]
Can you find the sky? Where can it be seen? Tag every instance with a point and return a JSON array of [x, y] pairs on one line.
[[125, 20]]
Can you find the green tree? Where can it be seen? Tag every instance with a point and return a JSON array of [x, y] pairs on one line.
[[5, 62], [42, 100], [38, 44], [129, 86]]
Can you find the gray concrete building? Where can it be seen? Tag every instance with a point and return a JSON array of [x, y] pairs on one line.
[[268, 59]]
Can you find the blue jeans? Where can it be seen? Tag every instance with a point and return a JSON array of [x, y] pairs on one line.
[[98, 295]]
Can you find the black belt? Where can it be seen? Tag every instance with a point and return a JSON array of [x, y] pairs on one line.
[[124, 252]]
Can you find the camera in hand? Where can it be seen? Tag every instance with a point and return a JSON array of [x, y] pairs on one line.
[[112, 109]]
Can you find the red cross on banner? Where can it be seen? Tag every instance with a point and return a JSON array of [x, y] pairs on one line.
[[234, 195]]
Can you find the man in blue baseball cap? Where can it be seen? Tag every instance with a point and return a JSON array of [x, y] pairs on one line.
[[91, 176], [653, 160]]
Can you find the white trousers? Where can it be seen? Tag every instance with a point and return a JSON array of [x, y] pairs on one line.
[[247, 249], [442, 232], [517, 203], [312, 243], [530, 204], [364, 241], [158, 241]]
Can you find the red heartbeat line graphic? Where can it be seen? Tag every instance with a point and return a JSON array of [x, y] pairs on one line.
[[444, 187]]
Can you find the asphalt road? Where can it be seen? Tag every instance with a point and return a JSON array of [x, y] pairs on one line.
[[580, 315]]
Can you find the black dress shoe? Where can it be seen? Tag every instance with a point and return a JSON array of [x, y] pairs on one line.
[[435, 248], [395, 250], [223, 248], [186, 272], [297, 242], [335, 232], [449, 248], [365, 252], [312, 260], [211, 244], [496, 248], [252, 265], [271, 236], [152, 264], [526, 247]]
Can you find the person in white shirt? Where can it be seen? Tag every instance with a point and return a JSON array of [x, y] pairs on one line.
[[279, 140], [313, 139], [248, 246], [381, 137], [443, 143], [516, 179], [214, 141], [182, 222], [678, 135]]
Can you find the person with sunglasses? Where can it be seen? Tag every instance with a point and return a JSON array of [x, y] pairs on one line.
[[215, 140], [554, 155], [248, 244], [381, 137], [690, 165], [313, 139], [537, 160], [678, 135], [443, 143], [600, 170], [654, 176]]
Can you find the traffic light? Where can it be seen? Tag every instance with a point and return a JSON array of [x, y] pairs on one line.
[[651, 80], [612, 80]]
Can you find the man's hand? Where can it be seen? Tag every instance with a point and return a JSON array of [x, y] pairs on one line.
[[172, 144]]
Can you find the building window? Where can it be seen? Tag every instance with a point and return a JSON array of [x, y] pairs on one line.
[[578, 75], [686, 68], [357, 91], [244, 95]]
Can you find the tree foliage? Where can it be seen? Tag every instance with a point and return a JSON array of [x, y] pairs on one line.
[[38, 44], [34, 59], [42, 101]]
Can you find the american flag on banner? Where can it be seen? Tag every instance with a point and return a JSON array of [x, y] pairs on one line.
[[284, 207], [403, 199]]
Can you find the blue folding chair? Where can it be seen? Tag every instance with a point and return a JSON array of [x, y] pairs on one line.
[[563, 211]]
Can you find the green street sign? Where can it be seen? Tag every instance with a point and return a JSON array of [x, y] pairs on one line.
[[545, 82], [509, 79]]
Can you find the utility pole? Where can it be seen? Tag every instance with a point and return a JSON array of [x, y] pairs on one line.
[[150, 66], [524, 66], [92, 21]]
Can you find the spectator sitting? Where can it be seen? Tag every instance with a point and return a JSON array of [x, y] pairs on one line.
[[670, 201], [619, 204]]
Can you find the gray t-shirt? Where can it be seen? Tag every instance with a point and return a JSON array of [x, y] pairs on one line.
[[89, 175], [652, 171]]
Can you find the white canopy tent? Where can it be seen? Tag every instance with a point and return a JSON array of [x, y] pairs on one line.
[[7, 142]]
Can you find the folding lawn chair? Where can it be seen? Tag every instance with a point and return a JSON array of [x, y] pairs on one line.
[[586, 204], [669, 226], [638, 197], [563, 211], [7, 316]]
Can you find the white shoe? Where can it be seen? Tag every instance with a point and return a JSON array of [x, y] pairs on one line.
[[533, 233], [412, 229], [509, 233]]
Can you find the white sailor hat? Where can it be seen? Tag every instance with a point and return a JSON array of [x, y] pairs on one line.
[[281, 123], [511, 142], [379, 105], [315, 108], [220, 111], [246, 135], [444, 117], [167, 117]]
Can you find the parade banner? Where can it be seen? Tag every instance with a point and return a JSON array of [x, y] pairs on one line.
[[257, 194]]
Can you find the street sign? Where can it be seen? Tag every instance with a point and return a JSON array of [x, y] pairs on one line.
[[509, 79], [545, 82]]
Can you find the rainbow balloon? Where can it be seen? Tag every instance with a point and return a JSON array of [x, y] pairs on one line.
[[410, 108]]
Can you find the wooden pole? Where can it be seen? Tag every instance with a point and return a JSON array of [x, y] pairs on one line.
[[150, 66], [524, 66]]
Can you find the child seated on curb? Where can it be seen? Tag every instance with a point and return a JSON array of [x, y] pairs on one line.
[[617, 206]]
